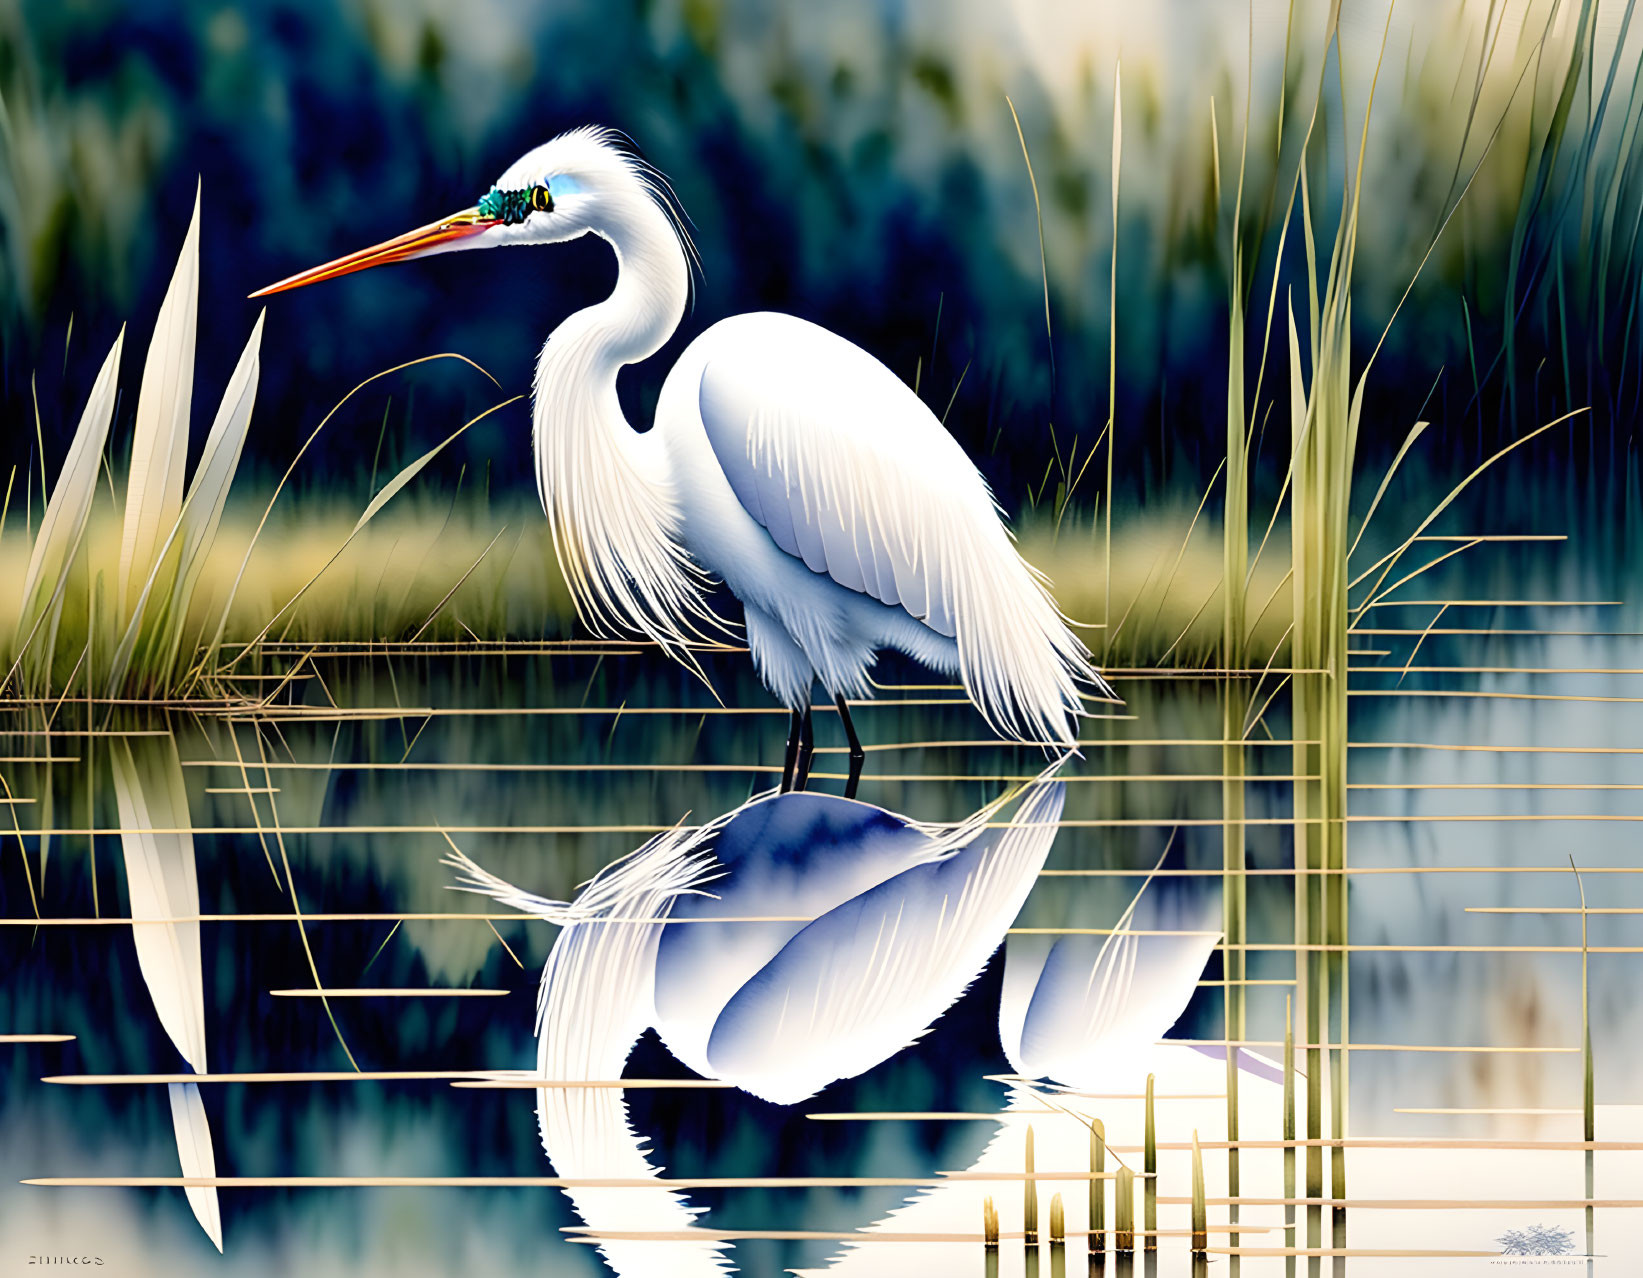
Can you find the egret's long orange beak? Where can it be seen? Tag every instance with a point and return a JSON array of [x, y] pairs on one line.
[[417, 243]]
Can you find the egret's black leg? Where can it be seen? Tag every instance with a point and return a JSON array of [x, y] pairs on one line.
[[807, 744], [792, 756], [858, 756]]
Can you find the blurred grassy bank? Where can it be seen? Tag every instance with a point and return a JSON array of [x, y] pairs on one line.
[[469, 570]]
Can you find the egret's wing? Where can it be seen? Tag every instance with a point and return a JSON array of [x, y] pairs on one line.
[[867, 978], [848, 470]]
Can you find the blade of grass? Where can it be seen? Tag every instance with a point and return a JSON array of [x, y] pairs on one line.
[[381, 499], [446, 598], [215, 648], [1043, 260], [1098, 1186], [1112, 336]]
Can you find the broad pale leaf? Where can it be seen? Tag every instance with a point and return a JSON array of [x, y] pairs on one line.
[[71, 498], [208, 494], [196, 525], [159, 441], [160, 879]]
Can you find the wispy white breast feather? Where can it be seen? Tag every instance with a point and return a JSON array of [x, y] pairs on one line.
[[849, 471], [614, 527], [610, 506]]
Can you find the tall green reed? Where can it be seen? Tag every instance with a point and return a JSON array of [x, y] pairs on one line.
[[1234, 690], [1237, 694], [1588, 1088], [1325, 412], [1288, 1129], [1112, 340], [1200, 1214], [1058, 1238]]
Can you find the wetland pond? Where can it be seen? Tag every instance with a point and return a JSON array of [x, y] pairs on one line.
[[1490, 743]]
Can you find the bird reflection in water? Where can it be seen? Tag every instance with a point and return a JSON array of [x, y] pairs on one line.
[[796, 941], [875, 925]]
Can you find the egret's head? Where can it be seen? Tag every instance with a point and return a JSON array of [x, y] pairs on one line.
[[581, 181]]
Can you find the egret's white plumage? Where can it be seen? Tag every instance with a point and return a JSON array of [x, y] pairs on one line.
[[852, 478], [889, 922], [876, 924], [783, 460], [792, 465]]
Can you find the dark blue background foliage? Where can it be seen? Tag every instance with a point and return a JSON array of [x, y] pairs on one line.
[[308, 145], [856, 181]]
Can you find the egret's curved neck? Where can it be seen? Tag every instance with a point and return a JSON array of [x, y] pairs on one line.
[[642, 311], [605, 489]]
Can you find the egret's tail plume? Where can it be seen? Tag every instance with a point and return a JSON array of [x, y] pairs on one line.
[[595, 999], [1021, 663]]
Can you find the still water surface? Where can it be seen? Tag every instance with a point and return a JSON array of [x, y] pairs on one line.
[[546, 766]]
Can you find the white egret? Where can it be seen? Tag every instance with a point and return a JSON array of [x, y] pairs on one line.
[[783, 460]]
